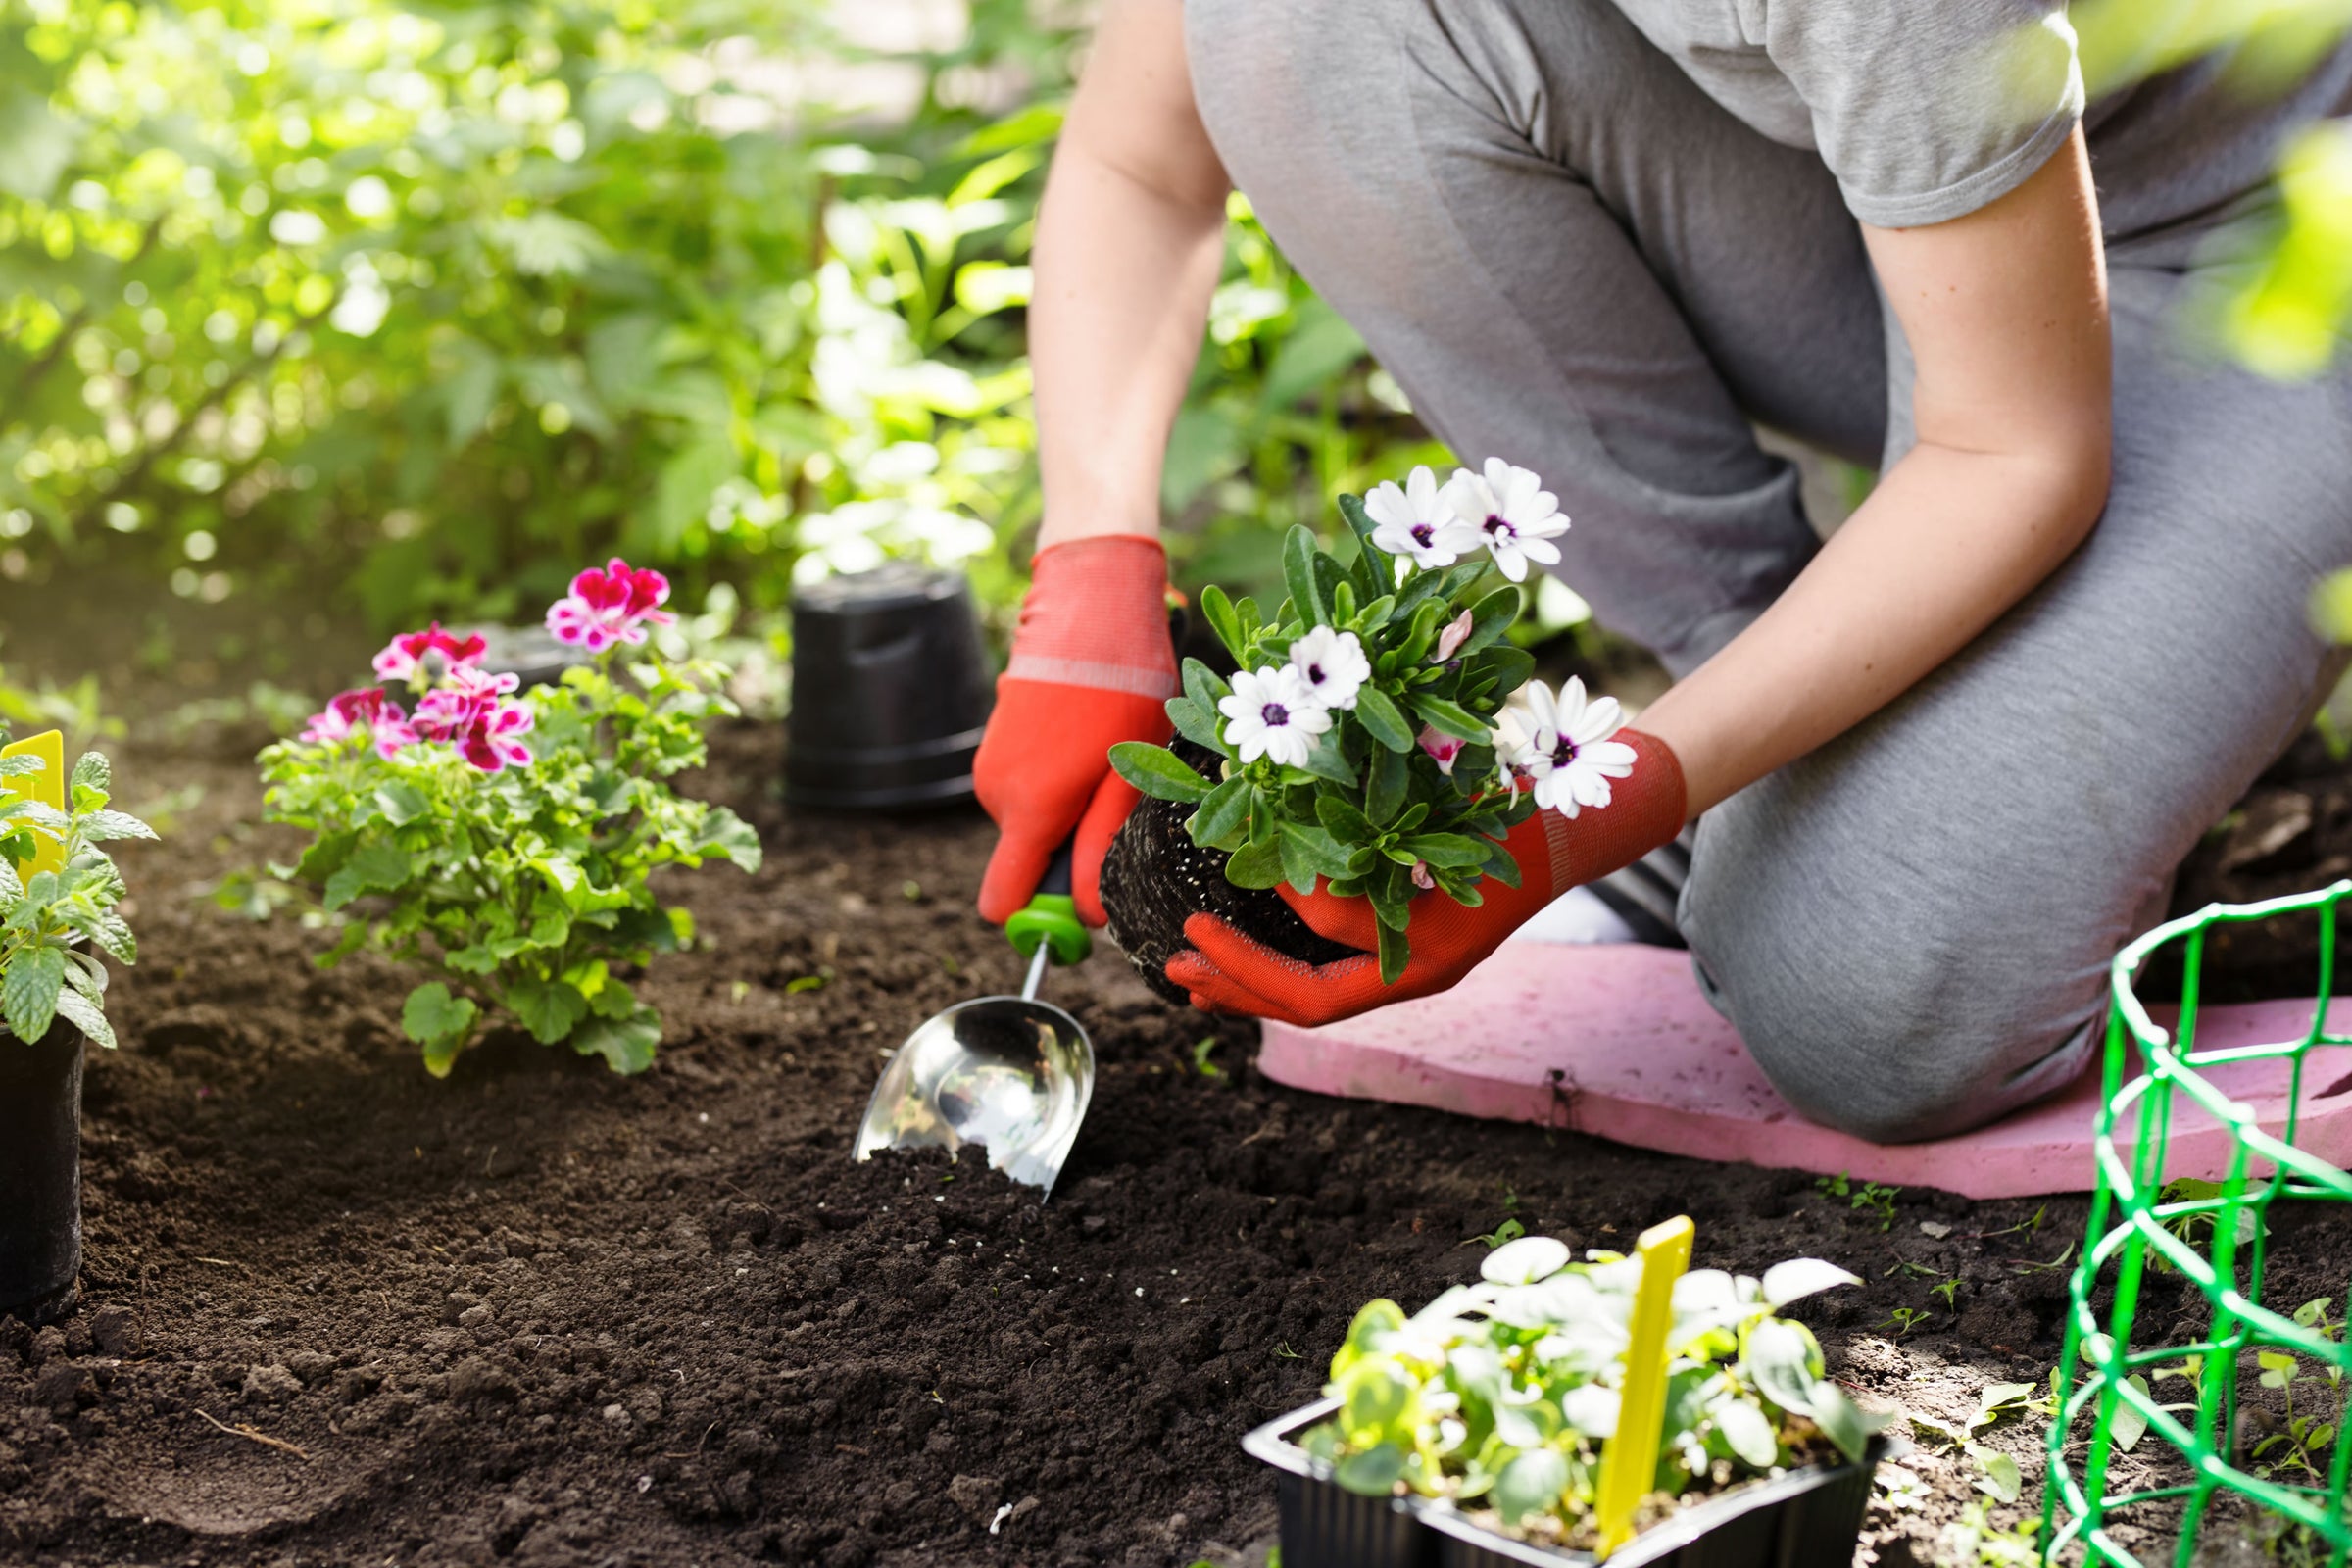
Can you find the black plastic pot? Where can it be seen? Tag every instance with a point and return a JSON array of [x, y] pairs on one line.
[[889, 690], [530, 653], [1809, 1518], [40, 1174]]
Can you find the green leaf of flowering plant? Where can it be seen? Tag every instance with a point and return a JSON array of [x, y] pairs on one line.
[[1195, 724], [1298, 554], [1218, 610], [1380, 720], [1157, 773], [1224, 813]]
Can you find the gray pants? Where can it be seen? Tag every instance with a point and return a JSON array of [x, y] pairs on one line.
[[1572, 258]]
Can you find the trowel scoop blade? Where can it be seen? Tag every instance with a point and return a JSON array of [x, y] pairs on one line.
[[1012, 1074]]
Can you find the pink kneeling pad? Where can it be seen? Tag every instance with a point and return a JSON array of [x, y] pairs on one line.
[[1617, 1040]]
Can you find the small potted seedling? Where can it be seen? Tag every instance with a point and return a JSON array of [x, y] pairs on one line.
[[60, 892], [505, 839], [1566, 1412], [1378, 733]]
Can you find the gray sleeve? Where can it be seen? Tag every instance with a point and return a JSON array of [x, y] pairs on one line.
[[1927, 110]]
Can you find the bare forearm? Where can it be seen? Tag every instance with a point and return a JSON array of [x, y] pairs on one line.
[[1124, 275], [1948, 542], [1128, 247]]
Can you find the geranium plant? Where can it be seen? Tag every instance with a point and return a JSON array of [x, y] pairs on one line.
[[507, 840], [1377, 731], [1499, 1395], [59, 919]]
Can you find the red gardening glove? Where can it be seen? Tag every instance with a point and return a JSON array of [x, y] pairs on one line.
[[1227, 972], [1091, 667]]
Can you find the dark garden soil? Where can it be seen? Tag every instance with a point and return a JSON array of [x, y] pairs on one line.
[[336, 1312]]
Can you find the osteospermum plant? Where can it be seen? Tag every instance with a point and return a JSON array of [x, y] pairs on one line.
[[505, 839], [1378, 732], [1499, 1395]]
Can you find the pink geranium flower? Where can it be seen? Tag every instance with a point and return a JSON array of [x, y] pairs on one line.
[[609, 605], [364, 711], [410, 652], [478, 720]]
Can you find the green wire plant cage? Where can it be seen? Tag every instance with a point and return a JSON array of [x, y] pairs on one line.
[[2177, 1450]]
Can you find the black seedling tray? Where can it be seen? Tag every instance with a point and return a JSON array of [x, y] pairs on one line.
[[1810, 1518]]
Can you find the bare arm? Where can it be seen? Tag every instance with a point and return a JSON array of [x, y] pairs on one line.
[[1129, 241], [2006, 313]]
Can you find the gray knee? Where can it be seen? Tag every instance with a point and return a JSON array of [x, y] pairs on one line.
[[1878, 1013]]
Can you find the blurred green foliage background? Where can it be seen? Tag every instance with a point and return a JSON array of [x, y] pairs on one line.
[[397, 309], [412, 308]]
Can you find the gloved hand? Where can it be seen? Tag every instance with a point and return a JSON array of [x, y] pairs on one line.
[[1228, 972], [1090, 666]]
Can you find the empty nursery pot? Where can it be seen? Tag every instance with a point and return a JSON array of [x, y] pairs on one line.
[[40, 1173], [1809, 1518], [531, 654], [1155, 878], [889, 690]]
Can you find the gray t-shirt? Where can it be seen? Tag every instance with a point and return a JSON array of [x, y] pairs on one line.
[[1927, 110]]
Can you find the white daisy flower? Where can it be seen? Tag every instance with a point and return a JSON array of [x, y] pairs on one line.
[[1510, 739], [1515, 517], [1417, 522], [1333, 666], [1273, 712], [1567, 755]]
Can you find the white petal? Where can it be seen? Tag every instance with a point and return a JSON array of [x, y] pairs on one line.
[[1612, 758], [1421, 489], [1602, 718], [1510, 562], [1571, 711], [1535, 700], [1539, 549], [1389, 506]]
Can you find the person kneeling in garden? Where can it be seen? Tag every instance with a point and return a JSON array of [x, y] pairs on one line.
[[1941, 766]]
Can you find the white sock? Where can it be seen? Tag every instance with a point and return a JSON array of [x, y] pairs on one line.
[[1576, 917]]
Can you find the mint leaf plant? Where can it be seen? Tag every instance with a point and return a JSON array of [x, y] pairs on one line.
[[505, 843], [57, 922], [1371, 734], [1499, 1395]]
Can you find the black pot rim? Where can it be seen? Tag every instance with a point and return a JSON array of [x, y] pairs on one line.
[[1271, 1443], [939, 792]]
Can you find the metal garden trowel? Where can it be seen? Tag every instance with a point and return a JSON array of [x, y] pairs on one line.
[[1012, 1073]]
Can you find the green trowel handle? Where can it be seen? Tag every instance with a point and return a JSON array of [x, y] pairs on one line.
[[1051, 916]]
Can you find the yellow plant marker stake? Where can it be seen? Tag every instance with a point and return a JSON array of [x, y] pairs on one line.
[[1628, 1461], [48, 787]]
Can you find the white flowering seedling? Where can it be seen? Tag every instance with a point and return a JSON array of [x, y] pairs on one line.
[[1364, 737], [1501, 1395], [56, 917]]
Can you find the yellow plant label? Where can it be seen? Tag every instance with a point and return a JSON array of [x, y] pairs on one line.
[[48, 787]]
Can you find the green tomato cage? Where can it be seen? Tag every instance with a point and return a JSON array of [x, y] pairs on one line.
[[2141, 1390]]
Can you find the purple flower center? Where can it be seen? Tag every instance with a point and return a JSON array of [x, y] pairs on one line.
[[1423, 533], [1563, 751], [1275, 715], [1314, 675], [1498, 523]]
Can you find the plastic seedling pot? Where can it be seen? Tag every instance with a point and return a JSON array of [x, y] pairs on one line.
[[889, 690], [531, 654], [1809, 1518], [40, 1174]]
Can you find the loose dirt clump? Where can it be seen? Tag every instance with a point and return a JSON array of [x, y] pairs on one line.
[[336, 1312]]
